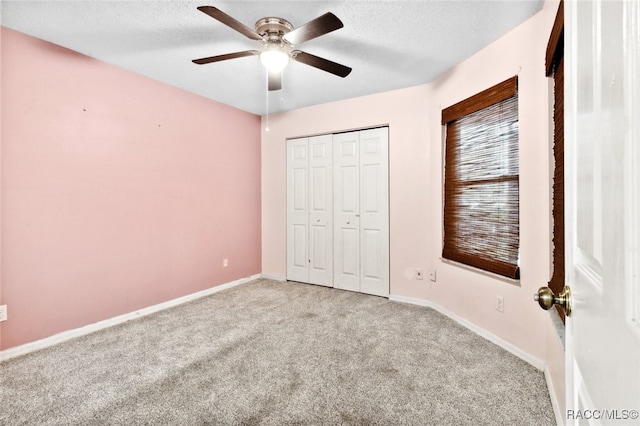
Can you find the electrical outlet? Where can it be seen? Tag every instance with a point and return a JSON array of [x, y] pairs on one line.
[[225, 262], [419, 274], [432, 274], [3, 313], [500, 303]]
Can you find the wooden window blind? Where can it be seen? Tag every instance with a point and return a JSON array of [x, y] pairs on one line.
[[481, 183]]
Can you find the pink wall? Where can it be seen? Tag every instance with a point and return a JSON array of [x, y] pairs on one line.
[[415, 173], [118, 192]]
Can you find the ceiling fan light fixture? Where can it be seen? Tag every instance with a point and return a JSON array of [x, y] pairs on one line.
[[273, 58], [279, 39]]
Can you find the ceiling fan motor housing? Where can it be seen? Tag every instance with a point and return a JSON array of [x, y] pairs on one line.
[[272, 29]]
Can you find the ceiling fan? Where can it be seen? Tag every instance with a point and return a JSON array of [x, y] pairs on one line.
[[278, 39]]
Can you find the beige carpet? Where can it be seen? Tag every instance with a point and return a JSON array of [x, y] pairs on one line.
[[277, 353]]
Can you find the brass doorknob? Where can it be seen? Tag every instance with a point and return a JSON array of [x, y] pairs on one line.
[[546, 299]]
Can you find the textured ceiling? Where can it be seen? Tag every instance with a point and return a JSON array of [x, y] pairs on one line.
[[389, 44]]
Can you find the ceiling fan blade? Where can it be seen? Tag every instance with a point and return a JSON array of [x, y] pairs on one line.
[[219, 15], [275, 80], [320, 63], [224, 57], [315, 28]]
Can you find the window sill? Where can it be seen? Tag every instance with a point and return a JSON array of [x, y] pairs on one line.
[[511, 281]]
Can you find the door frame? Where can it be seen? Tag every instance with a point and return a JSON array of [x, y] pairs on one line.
[[388, 238]]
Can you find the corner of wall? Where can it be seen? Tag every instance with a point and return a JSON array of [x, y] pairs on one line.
[[555, 365]]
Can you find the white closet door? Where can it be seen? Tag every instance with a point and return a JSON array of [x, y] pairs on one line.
[[298, 209], [338, 211], [346, 200], [310, 210], [361, 211], [374, 211], [320, 210]]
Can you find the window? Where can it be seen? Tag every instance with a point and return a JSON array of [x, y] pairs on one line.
[[481, 196]]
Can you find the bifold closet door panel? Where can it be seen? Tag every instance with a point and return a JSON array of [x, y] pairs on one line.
[[298, 209], [310, 210], [361, 211], [346, 201], [374, 211], [321, 210]]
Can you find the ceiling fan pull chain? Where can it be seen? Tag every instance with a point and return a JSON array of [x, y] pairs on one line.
[[267, 98]]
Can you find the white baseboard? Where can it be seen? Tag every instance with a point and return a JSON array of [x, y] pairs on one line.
[[87, 329], [273, 277], [554, 398], [537, 363]]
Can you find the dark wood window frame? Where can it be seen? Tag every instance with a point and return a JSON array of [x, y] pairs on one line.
[[481, 181]]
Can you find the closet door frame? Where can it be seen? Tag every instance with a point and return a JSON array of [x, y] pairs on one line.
[[338, 210]]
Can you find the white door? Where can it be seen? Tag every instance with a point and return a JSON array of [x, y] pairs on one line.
[[346, 223], [602, 216], [361, 206], [321, 210], [298, 209], [309, 210], [374, 211]]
